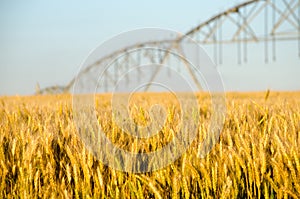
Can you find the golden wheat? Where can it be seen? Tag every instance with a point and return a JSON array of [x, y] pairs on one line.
[[258, 155]]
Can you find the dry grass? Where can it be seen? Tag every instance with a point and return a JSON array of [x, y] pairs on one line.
[[258, 155]]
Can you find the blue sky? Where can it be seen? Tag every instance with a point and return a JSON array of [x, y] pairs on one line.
[[46, 41]]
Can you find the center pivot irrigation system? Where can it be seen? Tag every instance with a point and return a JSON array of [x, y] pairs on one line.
[[265, 21]]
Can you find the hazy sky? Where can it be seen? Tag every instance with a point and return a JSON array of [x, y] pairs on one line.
[[46, 41]]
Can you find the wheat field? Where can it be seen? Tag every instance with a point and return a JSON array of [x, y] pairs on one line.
[[257, 156]]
